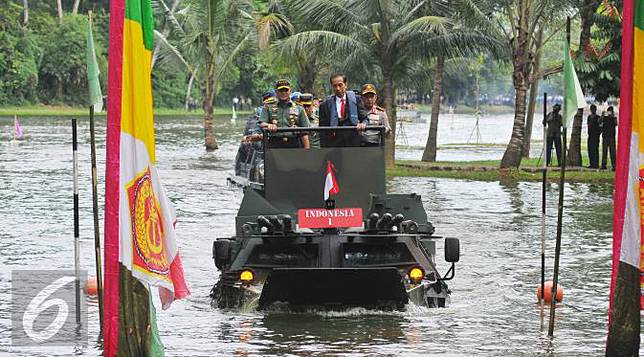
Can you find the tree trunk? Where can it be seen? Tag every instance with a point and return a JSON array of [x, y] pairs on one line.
[[534, 92], [25, 11], [520, 76], [60, 11], [189, 90], [574, 153], [587, 13], [75, 8], [388, 97], [208, 101], [532, 103], [512, 155], [430, 147], [306, 76]]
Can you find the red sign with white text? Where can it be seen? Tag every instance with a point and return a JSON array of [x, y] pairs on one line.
[[329, 218]]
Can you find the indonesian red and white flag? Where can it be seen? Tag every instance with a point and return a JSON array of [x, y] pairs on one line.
[[330, 184]]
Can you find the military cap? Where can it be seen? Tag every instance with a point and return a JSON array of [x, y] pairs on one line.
[[368, 88], [306, 99], [282, 83], [268, 95], [295, 96]]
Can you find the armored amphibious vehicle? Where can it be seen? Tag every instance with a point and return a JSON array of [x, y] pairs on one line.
[[319, 230]]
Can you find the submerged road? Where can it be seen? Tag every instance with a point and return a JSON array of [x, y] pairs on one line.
[[493, 308]]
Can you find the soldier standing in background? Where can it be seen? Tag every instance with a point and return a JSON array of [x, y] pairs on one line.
[[306, 101], [594, 130], [608, 124], [553, 120]]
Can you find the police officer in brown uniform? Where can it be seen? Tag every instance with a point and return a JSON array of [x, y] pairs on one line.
[[376, 116], [284, 114]]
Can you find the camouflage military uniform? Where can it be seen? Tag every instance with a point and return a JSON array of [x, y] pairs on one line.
[[285, 115]]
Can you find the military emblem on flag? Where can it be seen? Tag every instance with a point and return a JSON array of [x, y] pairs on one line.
[[141, 250], [330, 184]]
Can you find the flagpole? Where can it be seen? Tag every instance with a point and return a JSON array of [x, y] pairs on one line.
[[76, 219], [562, 180]]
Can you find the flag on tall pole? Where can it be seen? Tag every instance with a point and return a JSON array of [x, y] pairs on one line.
[[626, 283], [140, 246], [94, 86], [573, 95]]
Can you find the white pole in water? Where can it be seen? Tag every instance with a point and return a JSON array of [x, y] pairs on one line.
[[76, 218]]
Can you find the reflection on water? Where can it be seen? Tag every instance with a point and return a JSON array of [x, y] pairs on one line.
[[493, 308]]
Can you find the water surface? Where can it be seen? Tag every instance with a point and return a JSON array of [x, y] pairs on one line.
[[493, 310]]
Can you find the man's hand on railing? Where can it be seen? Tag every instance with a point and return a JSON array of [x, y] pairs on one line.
[[270, 127], [361, 126]]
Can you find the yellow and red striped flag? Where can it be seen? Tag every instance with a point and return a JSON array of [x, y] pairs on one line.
[[140, 246], [628, 212]]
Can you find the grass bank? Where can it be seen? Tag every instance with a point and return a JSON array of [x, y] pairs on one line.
[[65, 111], [488, 170]]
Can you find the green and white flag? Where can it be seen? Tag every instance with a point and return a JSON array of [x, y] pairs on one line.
[[573, 95], [93, 83]]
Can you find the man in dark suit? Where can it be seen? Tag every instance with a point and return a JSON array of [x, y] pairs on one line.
[[341, 109]]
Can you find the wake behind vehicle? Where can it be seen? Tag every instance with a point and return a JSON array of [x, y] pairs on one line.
[[320, 231]]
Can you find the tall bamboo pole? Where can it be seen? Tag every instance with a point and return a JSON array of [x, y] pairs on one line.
[[97, 236], [562, 180]]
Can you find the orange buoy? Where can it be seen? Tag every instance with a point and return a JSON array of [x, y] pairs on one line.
[[548, 292], [91, 287]]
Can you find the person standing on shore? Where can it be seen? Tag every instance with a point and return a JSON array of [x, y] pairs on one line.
[[594, 131], [554, 122], [608, 123]]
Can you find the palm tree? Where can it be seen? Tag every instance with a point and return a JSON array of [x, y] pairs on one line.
[[429, 154], [207, 36], [385, 37], [519, 20]]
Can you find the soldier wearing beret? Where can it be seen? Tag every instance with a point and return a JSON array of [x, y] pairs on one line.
[[376, 116], [306, 101], [283, 114]]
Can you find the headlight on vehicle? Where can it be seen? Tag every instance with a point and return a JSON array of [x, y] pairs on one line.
[[416, 274], [246, 276]]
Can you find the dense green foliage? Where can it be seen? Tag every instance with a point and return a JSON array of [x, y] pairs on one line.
[[43, 61], [18, 59]]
